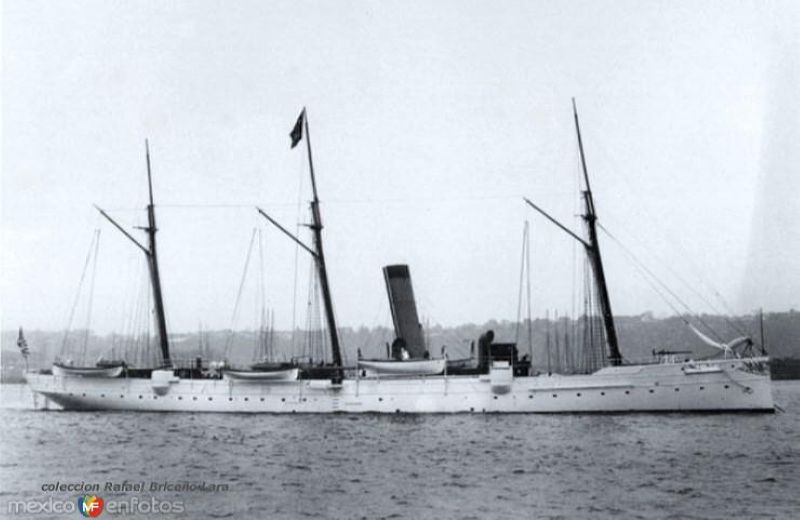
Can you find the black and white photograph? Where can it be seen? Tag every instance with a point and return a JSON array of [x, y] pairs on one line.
[[383, 259]]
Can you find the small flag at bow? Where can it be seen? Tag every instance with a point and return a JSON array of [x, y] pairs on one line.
[[297, 132], [22, 344]]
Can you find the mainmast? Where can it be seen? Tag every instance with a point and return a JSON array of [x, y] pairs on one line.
[[152, 262], [316, 251], [592, 247], [155, 278], [316, 228]]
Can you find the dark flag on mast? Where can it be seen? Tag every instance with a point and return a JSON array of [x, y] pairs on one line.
[[23, 345], [297, 132]]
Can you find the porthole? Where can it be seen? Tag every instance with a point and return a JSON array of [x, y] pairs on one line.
[[283, 399], [102, 395], [140, 397], [380, 399], [180, 398], [677, 389], [702, 388], [652, 391], [230, 399], [555, 395], [495, 398], [627, 392], [602, 393], [262, 399], [579, 394], [194, 398], [530, 396], [726, 387], [210, 398], [246, 398], [121, 396], [83, 395], [155, 397], [471, 409]]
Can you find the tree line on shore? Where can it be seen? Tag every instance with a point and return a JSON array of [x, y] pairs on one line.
[[550, 341]]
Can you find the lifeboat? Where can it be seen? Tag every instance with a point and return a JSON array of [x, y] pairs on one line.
[[101, 370], [265, 374], [406, 367]]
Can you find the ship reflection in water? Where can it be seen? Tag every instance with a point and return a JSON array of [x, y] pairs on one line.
[[418, 466]]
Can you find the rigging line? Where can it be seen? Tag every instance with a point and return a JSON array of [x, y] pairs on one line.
[[298, 207], [547, 341], [703, 280], [325, 341], [309, 322], [665, 233], [588, 310], [261, 296], [650, 278], [633, 257], [521, 275], [140, 323], [148, 355], [78, 294], [577, 218], [588, 346], [528, 282], [739, 328], [690, 312], [91, 296], [235, 313]]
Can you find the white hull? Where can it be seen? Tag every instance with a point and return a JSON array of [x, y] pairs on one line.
[[639, 388]]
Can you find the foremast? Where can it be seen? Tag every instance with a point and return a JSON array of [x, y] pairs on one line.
[[593, 250], [592, 247], [151, 254]]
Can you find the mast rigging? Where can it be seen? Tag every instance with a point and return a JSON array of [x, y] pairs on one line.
[[592, 248], [317, 252]]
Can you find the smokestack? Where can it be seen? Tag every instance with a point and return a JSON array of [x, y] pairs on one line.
[[404, 309]]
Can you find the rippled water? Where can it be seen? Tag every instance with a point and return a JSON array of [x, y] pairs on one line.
[[403, 466]]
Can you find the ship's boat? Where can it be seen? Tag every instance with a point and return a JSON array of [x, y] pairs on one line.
[[408, 367], [262, 374], [102, 370]]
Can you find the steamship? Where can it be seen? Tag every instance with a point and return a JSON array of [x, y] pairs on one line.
[[494, 379]]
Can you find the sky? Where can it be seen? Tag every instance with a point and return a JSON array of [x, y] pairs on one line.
[[429, 120]]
